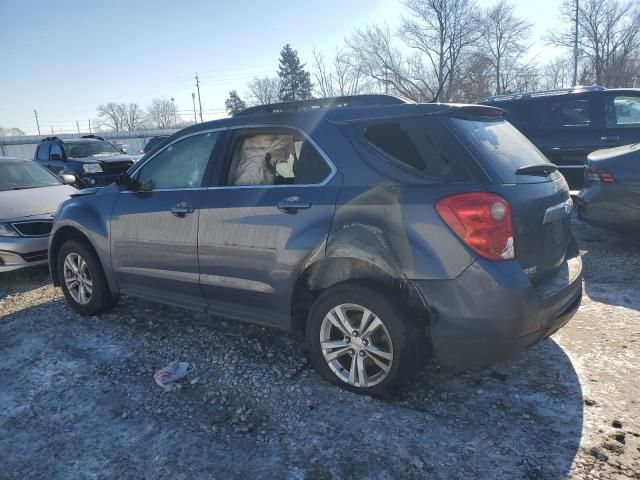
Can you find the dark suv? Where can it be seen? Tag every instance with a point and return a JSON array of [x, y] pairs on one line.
[[91, 159], [382, 230], [567, 125]]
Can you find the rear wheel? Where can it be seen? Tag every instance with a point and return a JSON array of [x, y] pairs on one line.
[[361, 340], [82, 279]]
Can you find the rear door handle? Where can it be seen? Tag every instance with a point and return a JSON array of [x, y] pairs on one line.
[[612, 138], [293, 205], [181, 209]]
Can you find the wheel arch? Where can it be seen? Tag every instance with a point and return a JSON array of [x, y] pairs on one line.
[[62, 235], [329, 272]]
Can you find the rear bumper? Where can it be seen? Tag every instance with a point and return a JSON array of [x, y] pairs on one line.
[[610, 206], [492, 311], [22, 252]]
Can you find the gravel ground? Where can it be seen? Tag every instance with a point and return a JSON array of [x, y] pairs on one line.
[[78, 398]]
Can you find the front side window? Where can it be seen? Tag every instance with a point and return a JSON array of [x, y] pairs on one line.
[[43, 152], [262, 158], [180, 165], [23, 175], [623, 111], [90, 149], [567, 112]]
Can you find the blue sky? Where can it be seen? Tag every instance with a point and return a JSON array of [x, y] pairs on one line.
[[66, 57]]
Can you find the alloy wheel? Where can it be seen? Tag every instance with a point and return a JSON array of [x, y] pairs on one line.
[[77, 278], [356, 345]]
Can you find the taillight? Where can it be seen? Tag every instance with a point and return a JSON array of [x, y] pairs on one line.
[[482, 221], [592, 174]]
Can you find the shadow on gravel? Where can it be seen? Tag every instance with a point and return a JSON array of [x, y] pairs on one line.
[[20, 281]]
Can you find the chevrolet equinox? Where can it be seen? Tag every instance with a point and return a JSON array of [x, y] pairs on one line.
[[384, 231]]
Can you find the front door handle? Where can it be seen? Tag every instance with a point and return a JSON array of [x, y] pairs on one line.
[[612, 138], [293, 205], [181, 209]]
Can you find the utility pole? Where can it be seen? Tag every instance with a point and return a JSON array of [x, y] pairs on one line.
[[52, 130], [575, 47], [193, 97], [37, 123], [78, 125], [89, 125], [199, 99]]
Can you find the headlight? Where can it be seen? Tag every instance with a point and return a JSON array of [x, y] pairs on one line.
[[92, 168], [7, 230]]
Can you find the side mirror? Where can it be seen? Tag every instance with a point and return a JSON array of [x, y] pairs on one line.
[[55, 157], [68, 179]]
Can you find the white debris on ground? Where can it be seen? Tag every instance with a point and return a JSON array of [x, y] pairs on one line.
[[78, 399]]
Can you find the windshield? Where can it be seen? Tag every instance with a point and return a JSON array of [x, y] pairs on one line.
[[129, 150], [22, 175], [90, 149], [502, 146]]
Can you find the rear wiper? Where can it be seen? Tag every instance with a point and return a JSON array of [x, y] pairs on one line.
[[537, 169]]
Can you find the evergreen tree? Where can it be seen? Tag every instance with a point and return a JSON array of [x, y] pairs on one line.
[[234, 103], [295, 81]]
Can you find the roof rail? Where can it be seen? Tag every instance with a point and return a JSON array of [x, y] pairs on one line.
[[330, 102], [543, 93], [97, 137]]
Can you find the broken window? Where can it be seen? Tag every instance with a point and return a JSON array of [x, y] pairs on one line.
[[276, 159]]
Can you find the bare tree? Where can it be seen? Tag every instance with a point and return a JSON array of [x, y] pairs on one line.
[[161, 113], [11, 132], [442, 32], [343, 76], [557, 74], [110, 116], [504, 36], [608, 39], [132, 116], [263, 91], [384, 63]]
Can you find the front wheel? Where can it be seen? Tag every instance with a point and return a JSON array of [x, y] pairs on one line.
[[82, 279], [361, 340]]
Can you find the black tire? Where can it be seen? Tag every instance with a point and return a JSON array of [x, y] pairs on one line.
[[102, 299], [409, 344]]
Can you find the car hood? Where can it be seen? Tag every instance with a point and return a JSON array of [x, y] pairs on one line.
[[105, 159], [16, 204]]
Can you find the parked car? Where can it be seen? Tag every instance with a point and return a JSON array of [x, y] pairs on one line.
[[29, 197], [127, 149], [94, 161], [610, 197], [378, 228], [153, 141], [567, 125]]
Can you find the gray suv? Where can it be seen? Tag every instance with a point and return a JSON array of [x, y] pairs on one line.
[[384, 231]]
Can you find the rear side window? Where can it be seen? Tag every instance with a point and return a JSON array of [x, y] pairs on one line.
[[418, 145], [567, 112], [623, 111], [275, 158], [500, 145], [43, 152]]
